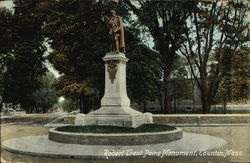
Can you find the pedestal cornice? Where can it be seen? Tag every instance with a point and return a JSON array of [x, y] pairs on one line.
[[115, 56]]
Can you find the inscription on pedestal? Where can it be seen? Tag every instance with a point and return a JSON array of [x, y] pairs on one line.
[[112, 69]]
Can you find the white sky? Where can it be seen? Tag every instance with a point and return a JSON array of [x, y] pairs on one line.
[[8, 4]]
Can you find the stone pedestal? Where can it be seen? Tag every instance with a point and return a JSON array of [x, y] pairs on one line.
[[115, 105]]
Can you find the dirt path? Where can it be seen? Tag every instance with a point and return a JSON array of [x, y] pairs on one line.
[[238, 138]]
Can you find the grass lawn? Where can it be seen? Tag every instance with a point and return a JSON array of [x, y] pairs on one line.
[[116, 129]]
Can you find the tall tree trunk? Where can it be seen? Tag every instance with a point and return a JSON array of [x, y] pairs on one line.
[[174, 95], [193, 95], [205, 94], [84, 102], [205, 103], [28, 110], [160, 102], [144, 107], [224, 106], [44, 110], [167, 99], [81, 104], [167, 102]]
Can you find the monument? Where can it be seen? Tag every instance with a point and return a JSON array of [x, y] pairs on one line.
[[115, 104], [68, 141]]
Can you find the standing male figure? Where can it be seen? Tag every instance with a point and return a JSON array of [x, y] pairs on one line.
[[116, 31]]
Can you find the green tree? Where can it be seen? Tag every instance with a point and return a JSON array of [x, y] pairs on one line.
[[23, 51], [165, 22], [235, 85], [5, 34], [78, 35], [215, 31], [143, 77], [46, 96], [75, 35], [70, 105]]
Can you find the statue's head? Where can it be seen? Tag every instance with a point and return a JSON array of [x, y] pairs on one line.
[[113, 12]]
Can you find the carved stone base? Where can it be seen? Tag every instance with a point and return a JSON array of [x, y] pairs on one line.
[[116, 120], [115, 105]]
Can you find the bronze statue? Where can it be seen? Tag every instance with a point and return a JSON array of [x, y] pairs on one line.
[[116, 31]]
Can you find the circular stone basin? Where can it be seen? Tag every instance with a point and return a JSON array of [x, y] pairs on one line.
[[41, 146], [132, 137]]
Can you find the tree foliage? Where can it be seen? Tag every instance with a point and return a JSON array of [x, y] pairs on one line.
[[76, 31], [5, 16], [46, 96], [22, 52], [165, 21], [78, 35], [235, 85], [214, 33]]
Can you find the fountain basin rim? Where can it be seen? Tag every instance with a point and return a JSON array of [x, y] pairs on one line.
[[113, 134], [115, 139]]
